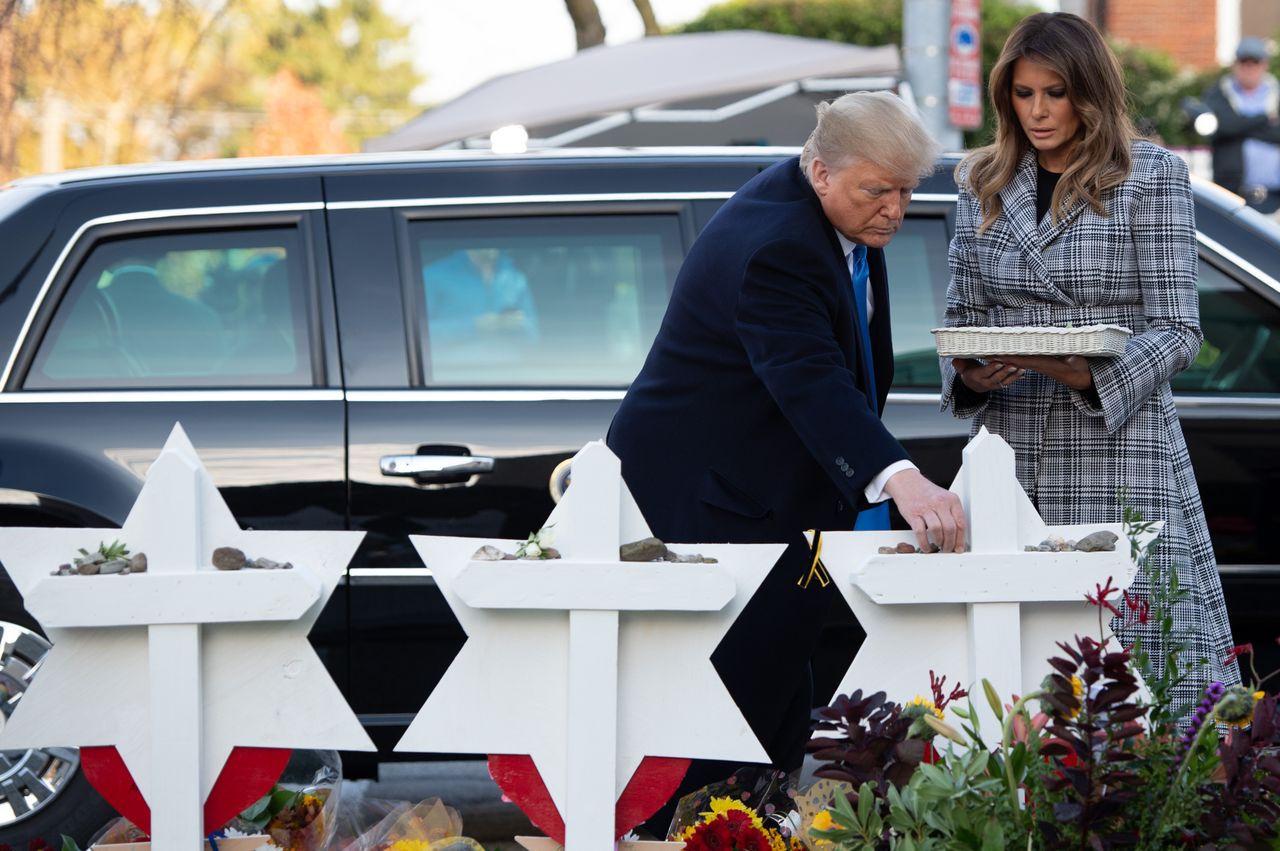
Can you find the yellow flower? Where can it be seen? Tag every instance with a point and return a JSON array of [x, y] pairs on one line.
[[823, 821], [926, 704], [720, 806], [1077, 691], [1235, 708]]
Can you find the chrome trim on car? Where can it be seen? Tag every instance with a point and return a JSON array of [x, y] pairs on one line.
[[1227, 401], [82, 175], [133, 217], [376, 573], [1249, 570], [36, 397], [568, 198], [1238, 261], [531, 395], [907, 397], [385, 719], [72, 397]]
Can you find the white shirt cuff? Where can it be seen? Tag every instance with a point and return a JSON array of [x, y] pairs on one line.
[[875, 490]]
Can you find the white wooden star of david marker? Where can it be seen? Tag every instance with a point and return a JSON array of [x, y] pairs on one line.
[[587, 663], [177, 666], [994, 612]]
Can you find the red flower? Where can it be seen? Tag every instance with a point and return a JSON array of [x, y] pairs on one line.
[[729, 831], [1137, 606], [940, 699], [1101, 600], [1238, 651]]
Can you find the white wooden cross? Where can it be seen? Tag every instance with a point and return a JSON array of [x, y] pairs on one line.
[[178, 665], [994, 612], [587, 663]]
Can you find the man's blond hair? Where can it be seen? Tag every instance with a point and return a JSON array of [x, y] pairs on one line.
[[878, 127]]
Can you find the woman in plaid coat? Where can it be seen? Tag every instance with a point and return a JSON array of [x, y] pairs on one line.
[[1069, 219]]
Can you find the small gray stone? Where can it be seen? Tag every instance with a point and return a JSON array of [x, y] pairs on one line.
[[887, 551], [1097, 542], [64, 570], [228, 558], [114, 566], [267, 564], [489, 553], [647, 549], [137, 563], [1029, 548], [124, 572], [550, 552], [88, 568]]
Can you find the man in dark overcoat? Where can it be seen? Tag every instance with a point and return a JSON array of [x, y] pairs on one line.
[[757, 413]]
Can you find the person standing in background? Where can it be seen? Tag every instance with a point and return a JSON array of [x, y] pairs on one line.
[[1246, 143]]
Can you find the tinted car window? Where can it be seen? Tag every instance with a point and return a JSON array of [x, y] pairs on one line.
[[193, 309], [917, 261], [1241, 349], [552, 300]]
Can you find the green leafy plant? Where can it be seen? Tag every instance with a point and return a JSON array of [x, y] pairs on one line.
[[279, 799], [1101, 765], [109, 552]]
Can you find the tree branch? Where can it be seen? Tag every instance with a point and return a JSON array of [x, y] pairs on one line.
[[587, 26]]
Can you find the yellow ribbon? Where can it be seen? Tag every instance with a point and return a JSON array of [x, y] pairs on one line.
[[817, 570]]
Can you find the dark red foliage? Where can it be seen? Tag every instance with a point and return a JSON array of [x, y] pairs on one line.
[[870, 744], [1251, 763], [1092, 744]]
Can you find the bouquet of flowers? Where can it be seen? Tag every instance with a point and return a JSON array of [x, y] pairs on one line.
[[1097, 766], [428, 826], [752, 809], [299, 813], [731, 825]]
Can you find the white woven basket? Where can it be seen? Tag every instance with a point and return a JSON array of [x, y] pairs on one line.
[[1089, 340]]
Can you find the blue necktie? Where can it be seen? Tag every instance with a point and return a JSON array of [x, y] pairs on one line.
[[876, 517]]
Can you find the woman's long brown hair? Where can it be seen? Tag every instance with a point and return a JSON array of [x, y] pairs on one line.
[[1075, 50]]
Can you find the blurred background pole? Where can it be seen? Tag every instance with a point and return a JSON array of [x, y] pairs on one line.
[[924, 52]]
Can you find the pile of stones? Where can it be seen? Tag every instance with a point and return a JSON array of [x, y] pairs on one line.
[[652, 549], [1097, 542], [647, 549], [231, 558], [97, 563]]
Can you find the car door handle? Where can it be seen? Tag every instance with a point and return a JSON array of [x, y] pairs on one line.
[[433, 466]]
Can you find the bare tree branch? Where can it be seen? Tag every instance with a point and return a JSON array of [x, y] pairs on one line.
[[587, 26], [645, 8]]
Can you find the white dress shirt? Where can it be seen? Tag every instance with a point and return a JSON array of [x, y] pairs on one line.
[[874, 491]]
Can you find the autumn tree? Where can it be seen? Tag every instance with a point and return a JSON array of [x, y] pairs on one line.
[[167, 79], [297, 121]]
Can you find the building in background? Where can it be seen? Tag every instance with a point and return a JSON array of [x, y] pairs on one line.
[[1198, 34]]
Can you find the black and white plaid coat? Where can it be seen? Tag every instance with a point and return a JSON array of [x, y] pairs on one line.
[[1136, 267]]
